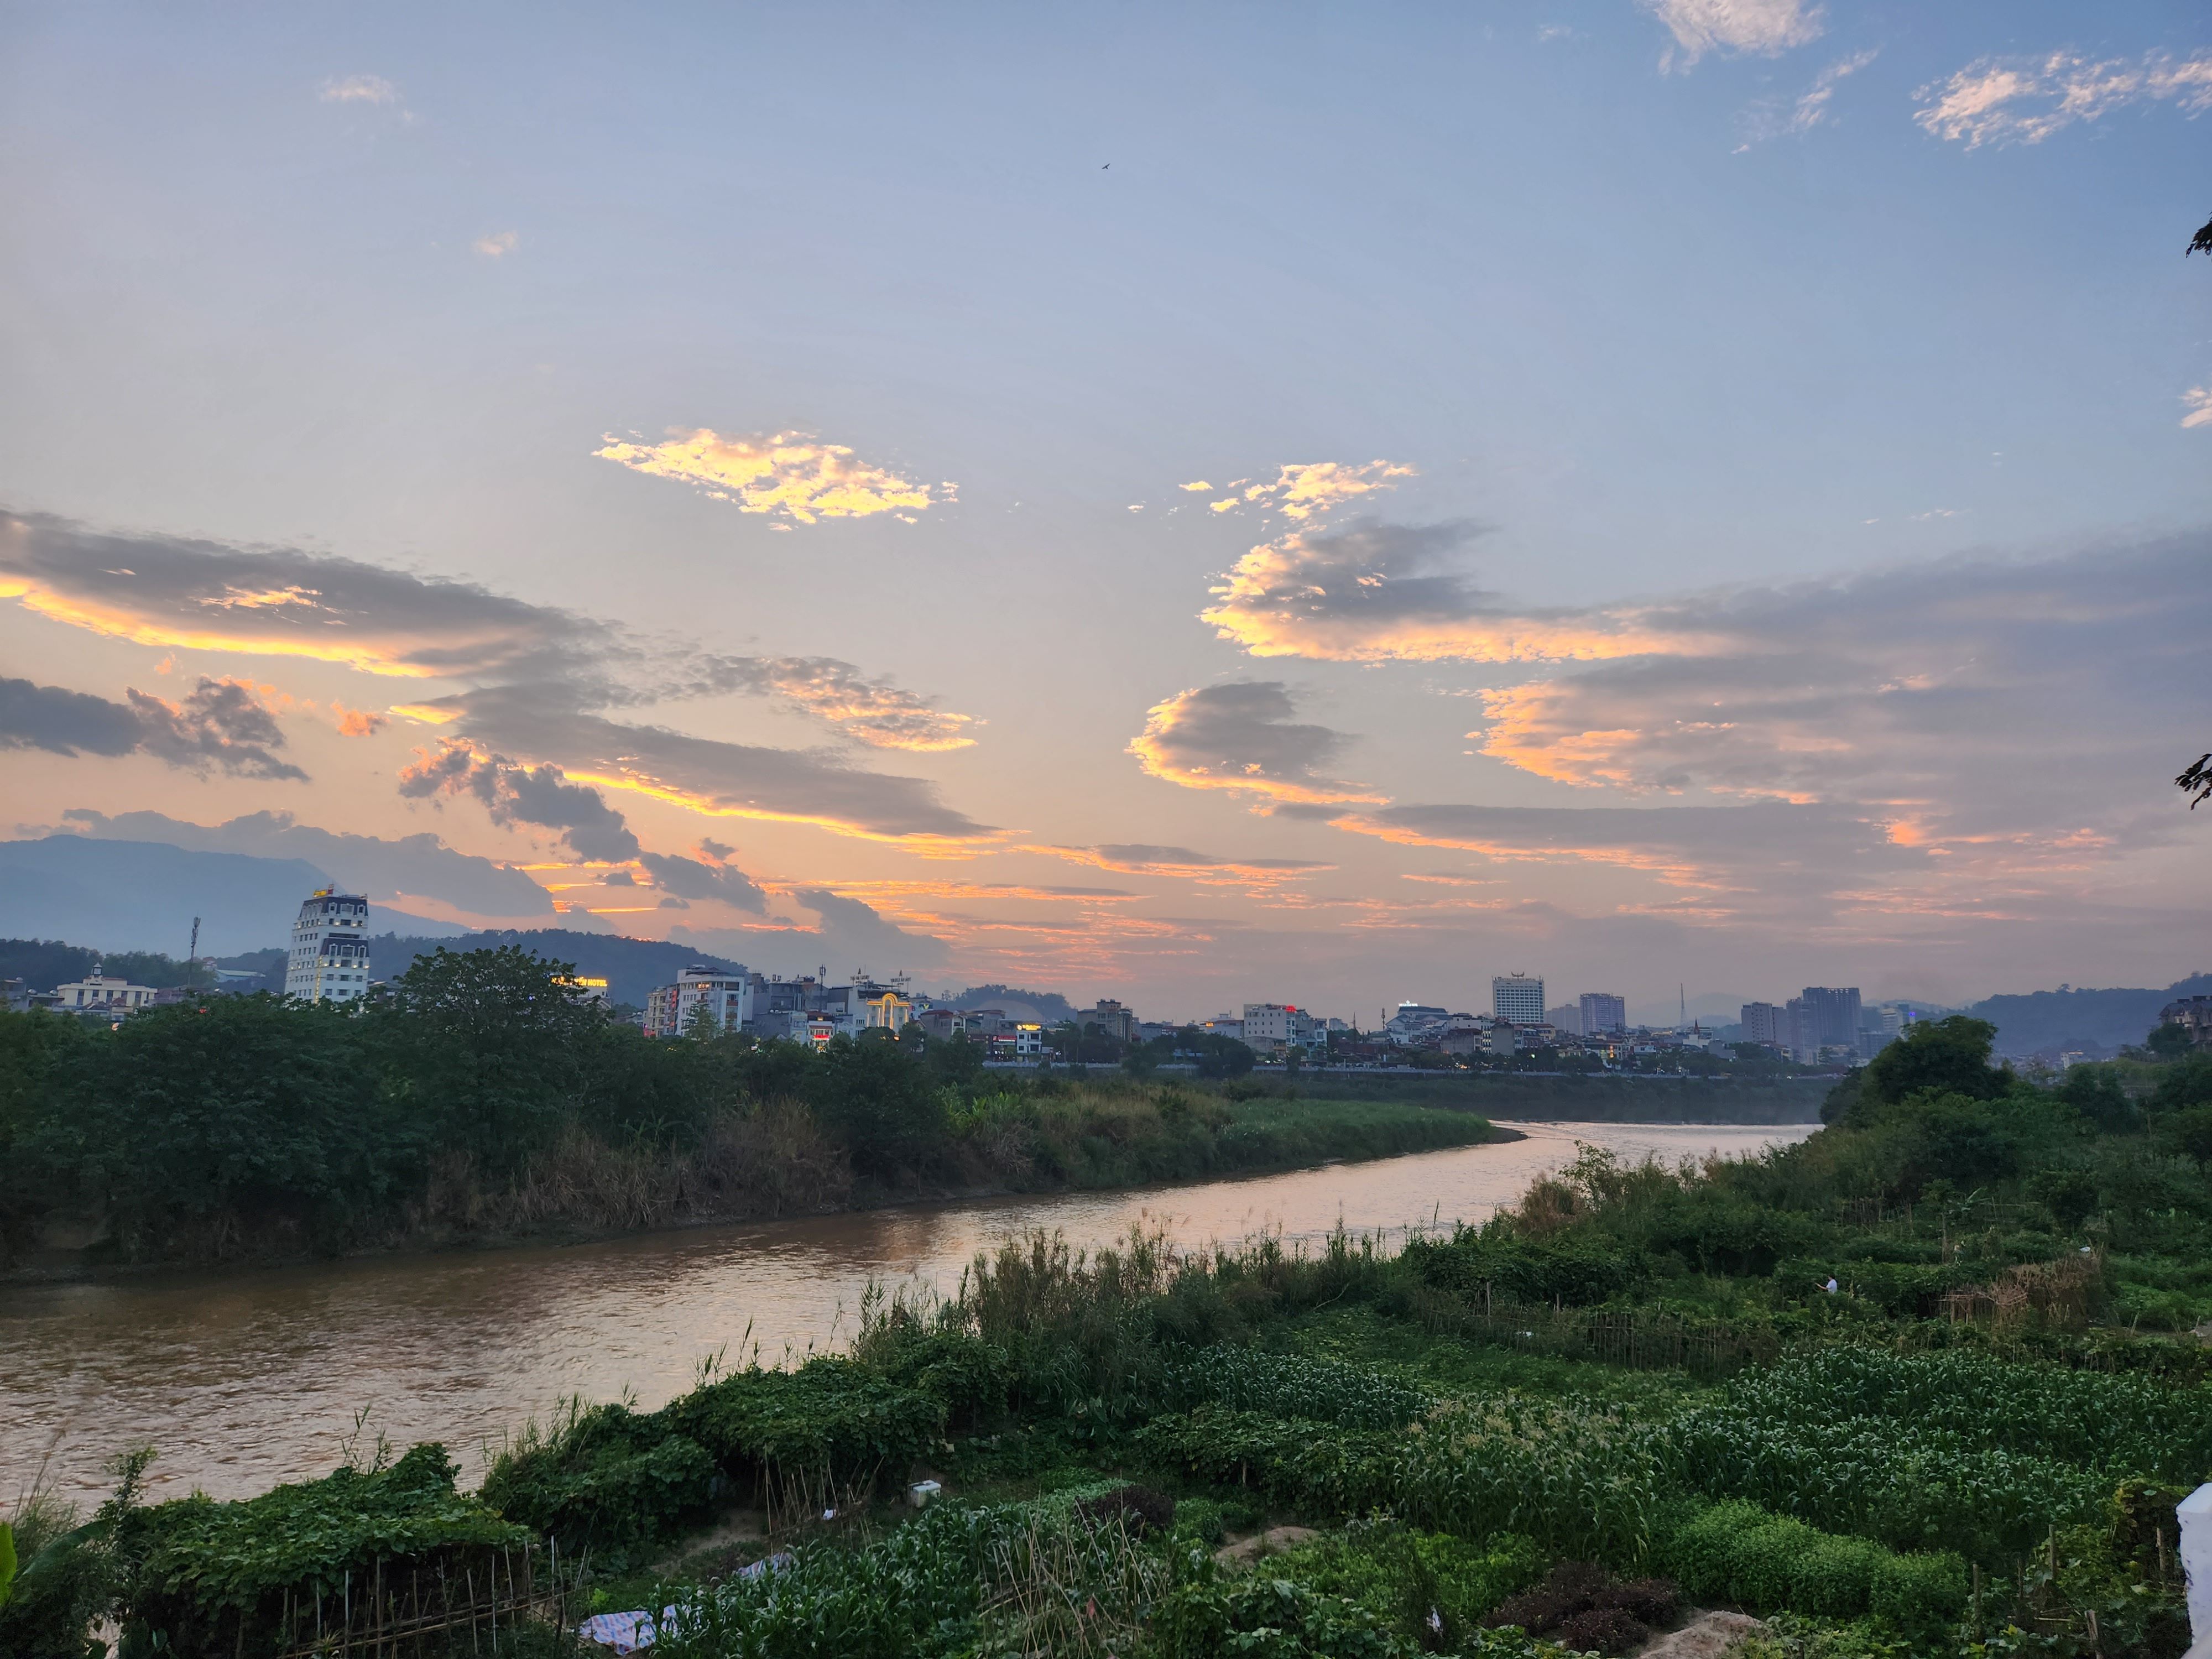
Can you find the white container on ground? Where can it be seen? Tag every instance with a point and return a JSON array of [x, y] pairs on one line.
[[2195, 1513]]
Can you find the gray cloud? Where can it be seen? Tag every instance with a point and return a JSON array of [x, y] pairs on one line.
[[857, 929], [1241, 736], [2001, 701], [1381, 592], [514, 793], [694, 879], [1145, 859], [171, 591], [220, 724], [742, 780], [412, 866], [62, 722], [280, 601], [869, 710], [542, 678], [1829, 846]]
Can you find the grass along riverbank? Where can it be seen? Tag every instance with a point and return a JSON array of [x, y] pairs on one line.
[[1547, 1434], [765, 1160], [485, 1099]]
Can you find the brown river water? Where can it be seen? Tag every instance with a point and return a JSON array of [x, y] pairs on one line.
[[243, 1379]]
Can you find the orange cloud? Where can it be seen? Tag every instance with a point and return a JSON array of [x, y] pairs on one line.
[[280, 602], [358, 722], [790, 473], [1390, 592]]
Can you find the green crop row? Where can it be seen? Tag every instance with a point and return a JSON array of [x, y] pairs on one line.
[[1287, 1385], [2129, 1424], [1741, 1553]]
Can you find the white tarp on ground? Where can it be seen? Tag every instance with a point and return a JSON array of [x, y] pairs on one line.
[[626, 1632]]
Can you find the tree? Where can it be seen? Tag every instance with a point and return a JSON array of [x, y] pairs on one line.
[[231, 1110], [879, 1101], [1949, 1055], [2196, 781], [495, 1043]]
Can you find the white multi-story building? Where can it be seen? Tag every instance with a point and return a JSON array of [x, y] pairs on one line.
[[727, 997], [1271, 1027], [1518, 998], [330, 948], [102, 994]]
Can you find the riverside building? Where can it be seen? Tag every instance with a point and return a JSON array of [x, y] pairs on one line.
[[329, 961], [1518, 998]]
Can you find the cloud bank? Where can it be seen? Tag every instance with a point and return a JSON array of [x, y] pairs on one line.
[[543, 681], [411, 867], [221, 725], [513, 793], [710, 876]]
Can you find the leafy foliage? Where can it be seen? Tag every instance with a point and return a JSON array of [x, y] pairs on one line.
[[1740, 1552], [1289, 1385]]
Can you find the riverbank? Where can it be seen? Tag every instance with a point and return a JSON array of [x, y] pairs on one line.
[[774, 1163], [1629, 1395], [244, 1378], [1608, 1097]]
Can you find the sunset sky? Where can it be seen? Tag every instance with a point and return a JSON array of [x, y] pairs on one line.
[[1194, 504]]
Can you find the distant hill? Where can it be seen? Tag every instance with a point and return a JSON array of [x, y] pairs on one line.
[[2095, 1021], [1047, 1007], [117, 896]]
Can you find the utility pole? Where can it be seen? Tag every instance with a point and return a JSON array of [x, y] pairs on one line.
[[192, 955]]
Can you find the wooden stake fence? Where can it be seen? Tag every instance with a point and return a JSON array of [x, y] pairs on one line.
[[422, 1610]]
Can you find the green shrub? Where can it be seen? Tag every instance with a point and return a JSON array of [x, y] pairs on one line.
[[831, 1421], [216, 1577], [605, 1479]]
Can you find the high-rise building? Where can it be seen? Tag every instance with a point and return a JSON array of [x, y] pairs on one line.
[[1767, 1022], [329, 961], [1830, 1017], [1518, 998], [1603, 1013]]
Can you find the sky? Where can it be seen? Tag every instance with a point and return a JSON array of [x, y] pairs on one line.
[[1300, 504]]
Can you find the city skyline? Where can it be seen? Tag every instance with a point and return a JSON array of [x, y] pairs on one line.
[[1176, 512]]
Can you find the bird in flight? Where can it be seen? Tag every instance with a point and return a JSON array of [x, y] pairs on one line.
[[1107, 165]]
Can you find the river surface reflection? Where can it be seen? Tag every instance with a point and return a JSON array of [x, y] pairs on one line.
[[245, 1379]]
